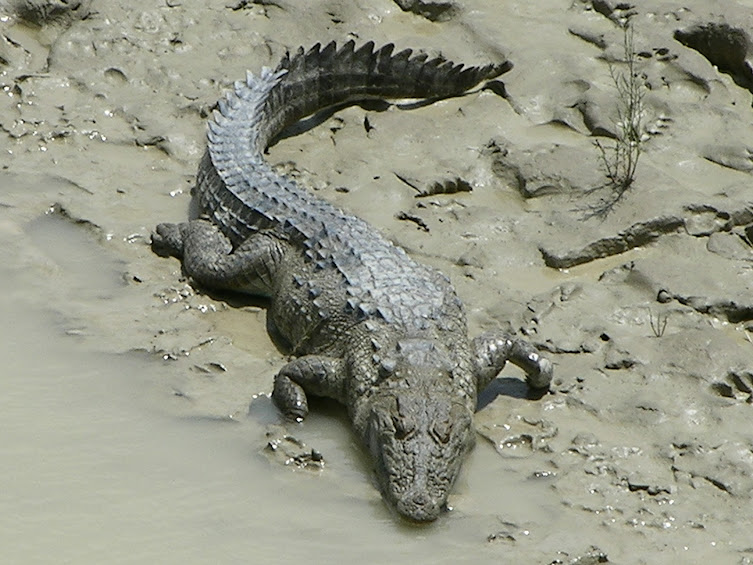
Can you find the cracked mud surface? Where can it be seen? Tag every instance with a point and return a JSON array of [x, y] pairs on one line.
[[136, 406]]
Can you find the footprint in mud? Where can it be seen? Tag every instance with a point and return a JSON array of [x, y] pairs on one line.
[[40, 12], [737, 385], [724, 46], [432, 11], [286, 450]]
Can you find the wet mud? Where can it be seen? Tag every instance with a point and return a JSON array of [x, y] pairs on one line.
[[136, 416]]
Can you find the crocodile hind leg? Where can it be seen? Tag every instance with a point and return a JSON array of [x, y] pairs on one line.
[[316, 374], [492, 350], [209, 258]]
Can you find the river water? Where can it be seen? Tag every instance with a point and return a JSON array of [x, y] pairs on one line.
[[96, 470]]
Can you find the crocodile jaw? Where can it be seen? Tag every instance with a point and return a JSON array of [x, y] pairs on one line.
[[418, 443]]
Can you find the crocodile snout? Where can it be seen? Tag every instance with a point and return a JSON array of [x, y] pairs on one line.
[[419, 507]]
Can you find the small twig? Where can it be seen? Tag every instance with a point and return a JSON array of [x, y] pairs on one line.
[[620, 161], [658, 325]]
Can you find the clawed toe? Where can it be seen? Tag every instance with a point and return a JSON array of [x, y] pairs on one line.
[[167, 240], [543, 377]]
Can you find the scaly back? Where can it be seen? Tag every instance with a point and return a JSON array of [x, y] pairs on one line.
[[237, 188]]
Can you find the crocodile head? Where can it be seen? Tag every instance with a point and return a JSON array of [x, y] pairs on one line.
[[418, 440]]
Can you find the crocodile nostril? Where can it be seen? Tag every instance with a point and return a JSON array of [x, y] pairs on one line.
[[419, 507]]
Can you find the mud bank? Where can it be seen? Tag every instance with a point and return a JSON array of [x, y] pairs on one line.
[[135, 415]]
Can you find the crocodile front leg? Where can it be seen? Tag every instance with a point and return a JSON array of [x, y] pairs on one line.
[[209, 258], [316, 374], [492, 350]]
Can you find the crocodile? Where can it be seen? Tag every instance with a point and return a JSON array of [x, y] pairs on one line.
[[366, 324]]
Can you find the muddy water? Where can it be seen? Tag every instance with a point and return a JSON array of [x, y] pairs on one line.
[[93, 471]]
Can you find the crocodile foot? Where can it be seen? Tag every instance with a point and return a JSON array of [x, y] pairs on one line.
[[167, 240]]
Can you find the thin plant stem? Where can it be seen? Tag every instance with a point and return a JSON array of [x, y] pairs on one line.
[[620, 161]]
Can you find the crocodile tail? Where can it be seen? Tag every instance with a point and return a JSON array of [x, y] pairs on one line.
[[327, 76], [257, 109]]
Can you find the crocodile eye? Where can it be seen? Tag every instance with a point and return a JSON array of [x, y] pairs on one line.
[[441, 431], [403, 428]]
